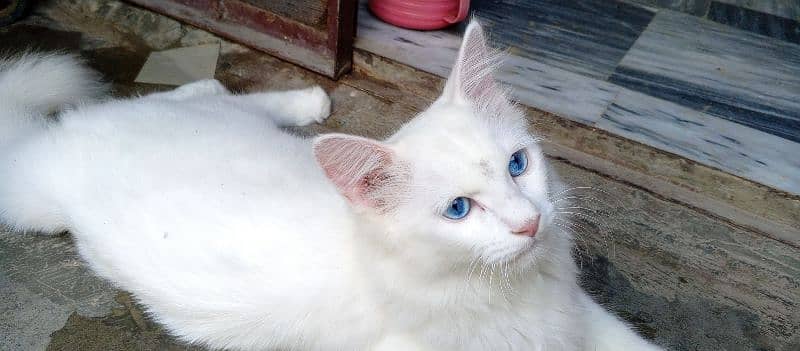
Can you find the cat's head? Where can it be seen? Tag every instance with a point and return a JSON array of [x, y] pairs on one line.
[[464, 180]]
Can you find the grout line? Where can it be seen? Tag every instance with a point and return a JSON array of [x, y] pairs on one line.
[[608, 105]]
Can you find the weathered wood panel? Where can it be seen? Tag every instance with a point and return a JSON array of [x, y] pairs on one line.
[[317, 36], [310, 12]]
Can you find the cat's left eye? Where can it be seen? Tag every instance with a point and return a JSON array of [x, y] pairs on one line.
[[458, 209], [518, 163]]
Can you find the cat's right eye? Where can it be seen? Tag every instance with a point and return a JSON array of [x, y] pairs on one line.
[[518, 163], [458, 209]]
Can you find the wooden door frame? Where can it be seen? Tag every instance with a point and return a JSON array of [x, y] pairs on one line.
[[326, 51]]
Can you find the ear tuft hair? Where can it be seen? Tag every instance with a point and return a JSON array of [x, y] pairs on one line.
[[472, 79], [472, 76]]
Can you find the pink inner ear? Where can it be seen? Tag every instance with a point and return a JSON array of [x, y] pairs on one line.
[[360, 168], [483, 89], [371, 184]]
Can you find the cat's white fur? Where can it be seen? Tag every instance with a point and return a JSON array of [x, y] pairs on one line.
[[238, 235]]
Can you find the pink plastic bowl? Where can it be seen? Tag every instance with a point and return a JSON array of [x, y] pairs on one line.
[[420, 14]]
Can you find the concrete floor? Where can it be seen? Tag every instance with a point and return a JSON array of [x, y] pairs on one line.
[[684, 277]]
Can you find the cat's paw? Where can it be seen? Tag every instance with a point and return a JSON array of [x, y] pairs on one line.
[[314, 105]]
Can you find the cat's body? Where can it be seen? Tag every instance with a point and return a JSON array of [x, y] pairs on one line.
[[236, 234]]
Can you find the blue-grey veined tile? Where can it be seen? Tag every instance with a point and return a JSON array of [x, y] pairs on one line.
[[694, 7], [726, 72], [579, 98], [756, 22], [704, 138], [536, 84], [588, 37], [784, 8]]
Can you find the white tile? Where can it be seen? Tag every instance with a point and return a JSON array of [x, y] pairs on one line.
[[784, 8], [726, 72], [728, 146], [564, 93], [430, 51]]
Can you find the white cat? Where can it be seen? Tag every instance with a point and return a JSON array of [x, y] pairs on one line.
[[238, 235]]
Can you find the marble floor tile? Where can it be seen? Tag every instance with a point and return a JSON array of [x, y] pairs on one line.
[[784, 8], [579, 98], [588, 37], [694, 7], [733, 74], [535, 83], [731, 147], [430, 51], [756, 22]]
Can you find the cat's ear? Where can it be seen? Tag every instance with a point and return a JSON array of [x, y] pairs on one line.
[[472, 76], [366, 172]]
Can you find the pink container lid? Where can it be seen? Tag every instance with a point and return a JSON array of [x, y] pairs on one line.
[[420, 14]]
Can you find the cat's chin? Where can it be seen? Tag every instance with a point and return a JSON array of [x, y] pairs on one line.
[[524, 256]]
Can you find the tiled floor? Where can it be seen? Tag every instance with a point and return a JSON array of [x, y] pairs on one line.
[[703, 88], [726, 72], [702, 137], [757, 22], [694, 7], [599, 32], [783, 8]]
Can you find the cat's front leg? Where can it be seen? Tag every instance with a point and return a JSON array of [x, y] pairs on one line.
[[606, 332], [205, 87], [292, 107]]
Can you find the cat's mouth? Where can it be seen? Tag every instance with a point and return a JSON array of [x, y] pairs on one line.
[[529, 249]]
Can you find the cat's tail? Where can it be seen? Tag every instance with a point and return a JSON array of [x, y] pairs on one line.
[[33, 85]]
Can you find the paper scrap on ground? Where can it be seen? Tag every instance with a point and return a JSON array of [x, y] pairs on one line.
[[180, 66]]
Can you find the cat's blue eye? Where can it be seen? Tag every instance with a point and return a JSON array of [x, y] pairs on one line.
[[518, 163], [458, 209]]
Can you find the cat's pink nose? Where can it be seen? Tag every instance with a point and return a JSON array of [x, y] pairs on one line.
[[530, 228]]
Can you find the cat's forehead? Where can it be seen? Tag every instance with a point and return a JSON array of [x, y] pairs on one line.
[[446, 132], [448, 140], [459, 129]]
